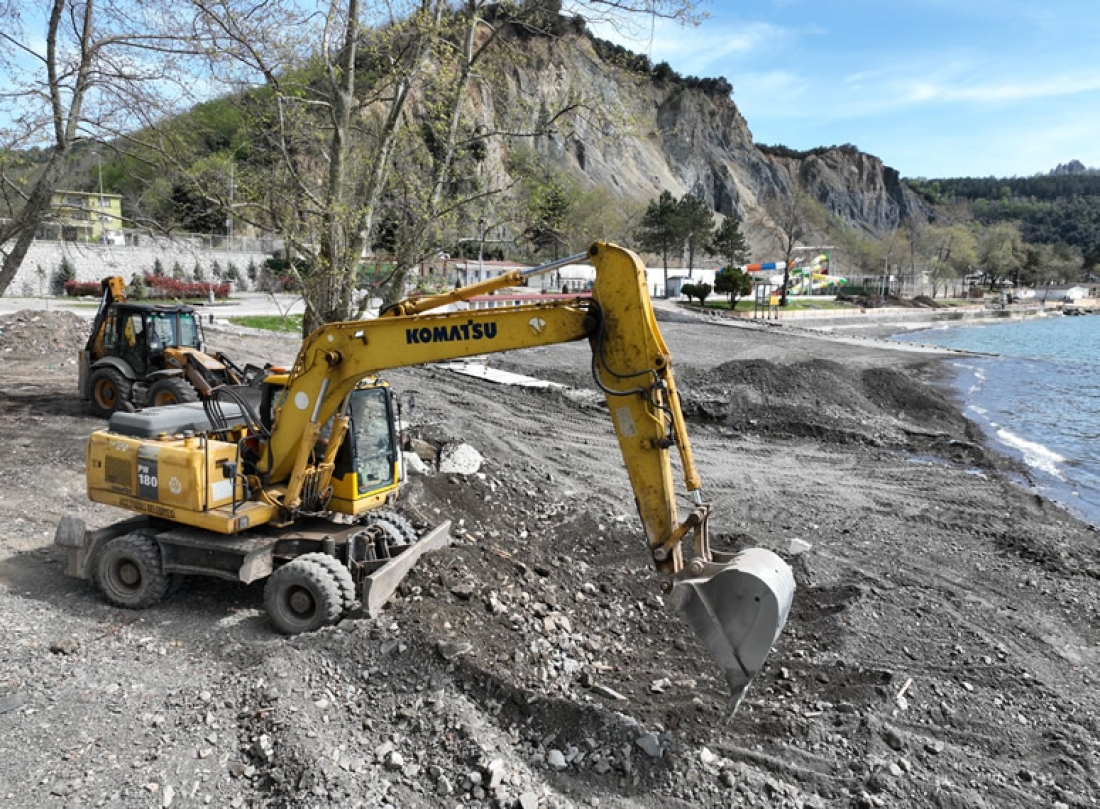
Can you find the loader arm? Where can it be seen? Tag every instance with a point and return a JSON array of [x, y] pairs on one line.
[[736, 605]]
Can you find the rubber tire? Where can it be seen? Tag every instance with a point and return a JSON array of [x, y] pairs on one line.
[[398, 527], [129, 574], [302, 596], [169, 391], [341, 575], [110, 391]]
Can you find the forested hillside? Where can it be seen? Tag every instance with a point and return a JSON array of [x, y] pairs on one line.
[[1054, 209]]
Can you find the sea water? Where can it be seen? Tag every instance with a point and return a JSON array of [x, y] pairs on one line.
[[1037, 398]]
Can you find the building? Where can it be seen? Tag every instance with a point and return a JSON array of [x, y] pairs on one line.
[[80, 216]]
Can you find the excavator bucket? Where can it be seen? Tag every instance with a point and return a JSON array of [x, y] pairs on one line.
[[736, 608]]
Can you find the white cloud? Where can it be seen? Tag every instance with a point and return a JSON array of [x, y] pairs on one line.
[[706, 51], [1010, 90]]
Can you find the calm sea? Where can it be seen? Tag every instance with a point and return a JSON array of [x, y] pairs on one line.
[[1038, 399]]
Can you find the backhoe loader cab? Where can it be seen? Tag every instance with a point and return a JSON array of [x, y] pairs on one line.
[[144, 355]]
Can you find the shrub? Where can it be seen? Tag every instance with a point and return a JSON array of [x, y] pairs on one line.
[[174, 289], [66, 272], [77, 289], [138, 289], [700, 291]]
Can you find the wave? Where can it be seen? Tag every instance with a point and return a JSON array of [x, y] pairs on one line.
[[1035, 454]]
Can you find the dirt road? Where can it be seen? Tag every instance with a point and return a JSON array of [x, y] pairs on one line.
[[942, 649]]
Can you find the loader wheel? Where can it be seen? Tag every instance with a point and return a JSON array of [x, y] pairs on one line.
[[110, 391], [171, 390], [129, 572], [340, 574], [302, 596]]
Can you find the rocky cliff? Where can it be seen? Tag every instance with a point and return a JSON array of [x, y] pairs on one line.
[[638, 137]]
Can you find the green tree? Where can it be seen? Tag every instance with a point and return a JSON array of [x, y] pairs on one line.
[[701, 291], [138, 290], [729, 243], [548, 206], [697, 221], [65, 272], [950, 252], [1001, 252], [732, 281], [662, 229]]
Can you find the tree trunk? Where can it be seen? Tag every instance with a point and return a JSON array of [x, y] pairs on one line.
[[25, 225]]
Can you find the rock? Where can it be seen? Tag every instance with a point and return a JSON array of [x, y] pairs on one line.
[[610, 693], [415, 465], [64, 646], [798, 547], [449, 650], [459, 459], [556, 759], [650, 745], [13, 702]]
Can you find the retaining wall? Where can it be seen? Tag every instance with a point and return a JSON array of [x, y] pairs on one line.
[[95, 261]]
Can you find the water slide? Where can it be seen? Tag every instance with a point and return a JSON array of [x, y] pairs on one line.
[[802, 278]]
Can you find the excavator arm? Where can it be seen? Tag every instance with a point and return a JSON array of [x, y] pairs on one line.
[[736, 605]]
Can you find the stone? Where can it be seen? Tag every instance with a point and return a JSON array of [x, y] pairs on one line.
[[459, 459]]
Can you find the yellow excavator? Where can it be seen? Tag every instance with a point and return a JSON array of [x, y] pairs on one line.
[[298, 485]]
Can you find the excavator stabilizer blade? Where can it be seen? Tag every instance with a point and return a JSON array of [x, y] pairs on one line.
[[737, 610], [381, 584]]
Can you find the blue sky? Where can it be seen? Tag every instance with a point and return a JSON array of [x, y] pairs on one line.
[[936, 88]]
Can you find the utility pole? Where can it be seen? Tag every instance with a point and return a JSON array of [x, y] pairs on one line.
[[481, 249]]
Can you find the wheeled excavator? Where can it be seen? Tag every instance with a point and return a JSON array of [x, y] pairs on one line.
[[148, 355], [299, 486]]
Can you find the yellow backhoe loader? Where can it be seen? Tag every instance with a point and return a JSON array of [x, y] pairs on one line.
[[148, 355], [247, 490]]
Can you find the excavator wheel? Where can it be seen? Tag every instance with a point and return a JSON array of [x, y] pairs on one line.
[[110, 392], [302, 596], [129, 573], [171, 390], [399, 531], [340, 574]]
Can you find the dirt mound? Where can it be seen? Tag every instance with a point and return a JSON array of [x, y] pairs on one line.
[[824, 400], [37, 333]]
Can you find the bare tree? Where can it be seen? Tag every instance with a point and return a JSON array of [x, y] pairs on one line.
[[790, 219], [393, 158], [83, 76]]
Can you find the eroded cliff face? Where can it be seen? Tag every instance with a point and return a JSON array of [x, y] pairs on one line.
[[637, 139]]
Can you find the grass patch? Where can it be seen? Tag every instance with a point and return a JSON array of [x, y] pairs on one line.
[[793, 305], [277, 323]]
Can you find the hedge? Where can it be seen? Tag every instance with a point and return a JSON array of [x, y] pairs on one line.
[[157, 286]]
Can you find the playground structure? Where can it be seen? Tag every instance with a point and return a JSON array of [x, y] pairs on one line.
[[805, 277]]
